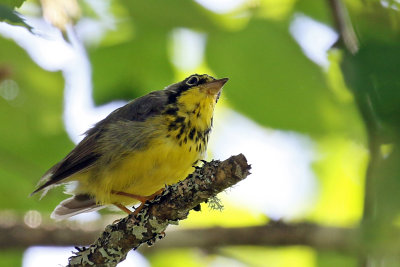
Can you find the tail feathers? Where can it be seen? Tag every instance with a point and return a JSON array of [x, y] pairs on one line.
[[46, 182], [75, 205]]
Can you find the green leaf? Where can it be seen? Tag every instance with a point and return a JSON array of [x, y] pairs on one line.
[[32, 138], [170, 14], [318, 10], [386, 177], [374, 22], [228, 217], [11, 3], [299, 256], [273, 82], [373, 74], [341, 172], [177, 257], [7, 14], [131, 69], [11, 257], [332, 259]]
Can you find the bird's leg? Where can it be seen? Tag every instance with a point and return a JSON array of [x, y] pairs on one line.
[[137, 197], [123, 208], [153, 196], [142, 200]]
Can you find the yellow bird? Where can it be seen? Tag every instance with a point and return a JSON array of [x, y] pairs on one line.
[[135, 151]]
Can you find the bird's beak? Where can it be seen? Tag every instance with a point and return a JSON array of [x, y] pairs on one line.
[[214, 87]]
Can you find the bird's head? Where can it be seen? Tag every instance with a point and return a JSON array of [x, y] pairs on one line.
[[196, 90]]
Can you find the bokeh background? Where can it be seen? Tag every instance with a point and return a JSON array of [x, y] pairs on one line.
[[313, 101]]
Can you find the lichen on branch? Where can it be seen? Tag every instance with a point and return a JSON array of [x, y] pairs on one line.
[[169, 207]]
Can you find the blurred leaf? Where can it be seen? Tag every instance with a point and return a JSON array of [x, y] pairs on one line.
[[230, 216], [278, 10], [336, 80], [373, 74], [345, 115], [7, 14], [274, 83], [374, 22], [11, 258], [318, 10], [30, 110], [131, 69], [332, 259], [178, 258], [247, 256], [11, 3], [167, 15], [380, 232], [387, 177], [341, 171], [273, 257]]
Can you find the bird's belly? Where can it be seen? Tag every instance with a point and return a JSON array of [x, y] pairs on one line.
[[144, 172]]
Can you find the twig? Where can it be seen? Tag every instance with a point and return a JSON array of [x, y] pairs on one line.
[[344, 26], [171, 206]]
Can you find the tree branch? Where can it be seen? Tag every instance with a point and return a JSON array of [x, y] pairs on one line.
[[273, 234], [171, 206], [22, 236]]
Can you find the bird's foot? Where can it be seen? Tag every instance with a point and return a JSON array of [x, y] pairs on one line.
[[142, 200]]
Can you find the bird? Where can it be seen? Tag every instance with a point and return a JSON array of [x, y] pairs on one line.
[[131, 155]]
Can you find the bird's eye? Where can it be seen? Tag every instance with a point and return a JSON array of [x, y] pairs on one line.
[[192, 80]]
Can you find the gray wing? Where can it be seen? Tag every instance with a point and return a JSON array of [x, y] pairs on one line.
[[87, 152]]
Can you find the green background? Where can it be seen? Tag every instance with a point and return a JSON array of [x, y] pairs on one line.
[[351, 110]]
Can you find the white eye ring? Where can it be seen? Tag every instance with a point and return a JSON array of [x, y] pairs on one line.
[[192, 80]]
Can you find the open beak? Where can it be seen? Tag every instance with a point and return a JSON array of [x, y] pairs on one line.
[[214, 87]]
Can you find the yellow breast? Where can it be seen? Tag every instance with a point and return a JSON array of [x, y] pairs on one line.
[[167, 159], [145, 172]]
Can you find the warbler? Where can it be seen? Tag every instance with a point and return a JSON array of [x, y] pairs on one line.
[[126, 158]]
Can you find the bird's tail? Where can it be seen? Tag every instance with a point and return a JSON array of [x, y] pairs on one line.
[[75, 205]]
